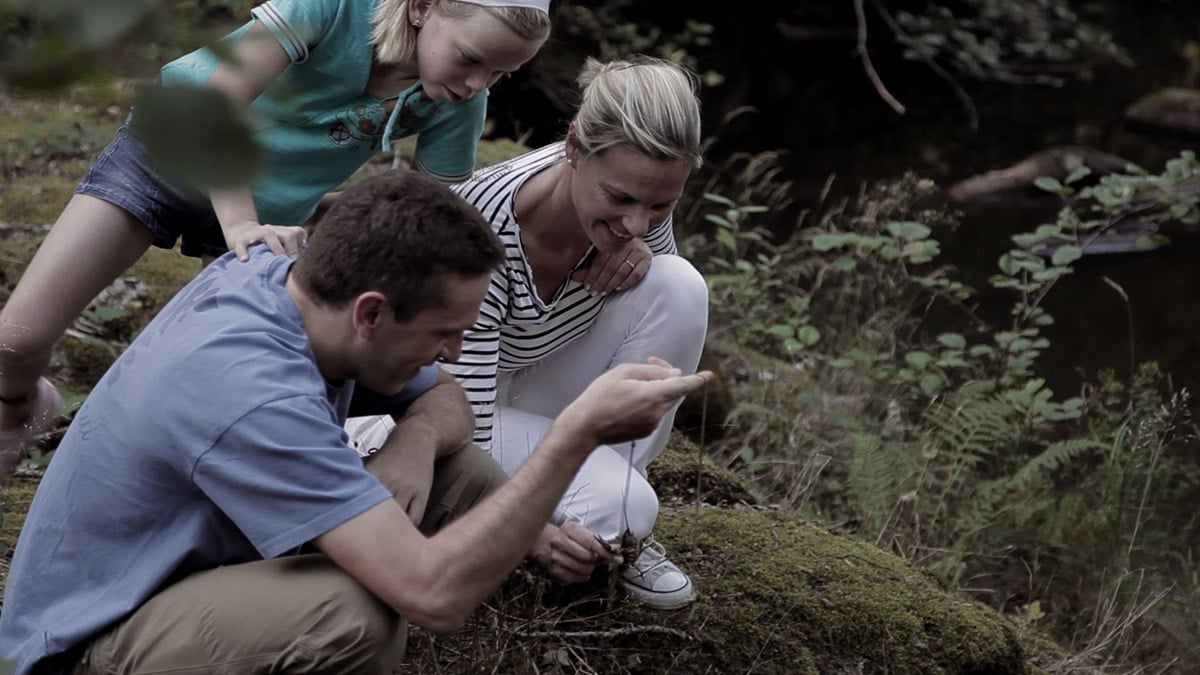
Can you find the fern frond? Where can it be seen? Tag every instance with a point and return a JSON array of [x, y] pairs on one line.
[[1046, 462]]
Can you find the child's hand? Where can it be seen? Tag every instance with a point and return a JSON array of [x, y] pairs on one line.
[[281, 239], [619, 271]]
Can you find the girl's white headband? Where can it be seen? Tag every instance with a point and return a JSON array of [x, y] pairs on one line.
[[543, 5]]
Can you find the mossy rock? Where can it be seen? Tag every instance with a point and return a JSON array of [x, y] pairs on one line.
[[782, 596], [776, 596], [683, 474]]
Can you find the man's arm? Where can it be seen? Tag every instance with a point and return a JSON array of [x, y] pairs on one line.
[[437, 423], [437, 582]]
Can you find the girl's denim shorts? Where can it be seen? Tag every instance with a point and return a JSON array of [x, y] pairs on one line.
[[123, 175]]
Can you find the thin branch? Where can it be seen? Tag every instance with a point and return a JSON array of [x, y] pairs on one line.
[[611, 633], [866, 59], [963, 96]]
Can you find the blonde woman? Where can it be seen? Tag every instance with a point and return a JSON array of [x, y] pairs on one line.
[[589, 212]]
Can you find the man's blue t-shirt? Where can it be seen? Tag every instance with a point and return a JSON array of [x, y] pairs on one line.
[[213, 440]]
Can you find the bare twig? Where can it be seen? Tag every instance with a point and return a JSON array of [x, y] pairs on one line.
[[963, 96], [610, 633], [866, 59]]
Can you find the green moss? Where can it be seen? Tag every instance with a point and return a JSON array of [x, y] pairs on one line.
[[38, 199], [682, 472], [15, 497], [775, 589]]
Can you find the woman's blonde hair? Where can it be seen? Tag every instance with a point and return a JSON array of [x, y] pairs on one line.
[[395, 38], [644, 104]]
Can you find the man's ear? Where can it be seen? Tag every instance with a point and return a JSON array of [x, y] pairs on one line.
[[370, 310]]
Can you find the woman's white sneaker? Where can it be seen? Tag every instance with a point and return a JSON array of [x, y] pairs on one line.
[[656, 581]]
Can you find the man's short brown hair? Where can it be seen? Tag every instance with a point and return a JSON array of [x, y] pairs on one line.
[[402, 234]]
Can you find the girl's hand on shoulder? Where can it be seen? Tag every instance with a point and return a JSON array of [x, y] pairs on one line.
[[618, 271], [281, 239]]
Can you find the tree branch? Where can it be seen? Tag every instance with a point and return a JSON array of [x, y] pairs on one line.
[[866, 59]]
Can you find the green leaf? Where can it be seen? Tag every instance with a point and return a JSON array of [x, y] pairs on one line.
[[725, 238], [1065, 255], [828, 242], [931, 384], [808, 335], [979, 351], [845, 264], [106, 313], [781, 330], [908, 230], [197, 136], [1079, 173], [1049, 184], [952, 340], [720, 199], [719, 221], [918, 359], [73, 33]]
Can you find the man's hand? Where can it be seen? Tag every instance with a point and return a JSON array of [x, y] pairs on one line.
[[405, 467], [618, 271], [570, 553], [627, 402]]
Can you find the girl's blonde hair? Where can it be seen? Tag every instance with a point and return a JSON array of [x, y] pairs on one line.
[[643, 104], [395, 38]]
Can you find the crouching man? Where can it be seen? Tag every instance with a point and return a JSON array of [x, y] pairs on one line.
[[204, 513]]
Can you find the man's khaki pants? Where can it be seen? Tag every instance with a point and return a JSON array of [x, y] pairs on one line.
[[296, 614]]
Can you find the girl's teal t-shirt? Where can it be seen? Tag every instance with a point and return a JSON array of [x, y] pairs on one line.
[[316, 125]]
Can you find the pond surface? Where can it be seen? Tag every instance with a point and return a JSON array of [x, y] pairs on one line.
[[1096, 327]]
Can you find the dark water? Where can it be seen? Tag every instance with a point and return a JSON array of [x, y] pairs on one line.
[[860, 140]]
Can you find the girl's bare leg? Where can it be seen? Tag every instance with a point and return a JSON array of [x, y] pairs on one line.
[[92, 243]]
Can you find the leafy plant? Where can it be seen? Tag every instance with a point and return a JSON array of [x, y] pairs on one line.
[[945, 444], [617, 34], [1015, 41]]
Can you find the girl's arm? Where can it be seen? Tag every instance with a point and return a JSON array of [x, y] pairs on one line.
[[256, 60]]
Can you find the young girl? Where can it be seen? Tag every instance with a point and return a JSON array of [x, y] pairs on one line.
[[337, 80], [542, 334]]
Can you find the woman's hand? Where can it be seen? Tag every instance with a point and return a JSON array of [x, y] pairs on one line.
[[570, 553], [617, 271], [281, 239]]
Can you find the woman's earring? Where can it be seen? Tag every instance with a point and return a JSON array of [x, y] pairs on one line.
[[417, 23]]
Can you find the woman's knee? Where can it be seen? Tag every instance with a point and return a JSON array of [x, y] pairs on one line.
[[673, 274], [641, 508], [610, 507]]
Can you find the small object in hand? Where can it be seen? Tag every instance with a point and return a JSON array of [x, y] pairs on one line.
[[613, 563], [630, 549], [632, 266]]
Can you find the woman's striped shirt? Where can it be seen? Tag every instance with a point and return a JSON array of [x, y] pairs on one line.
[[515, 327]]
